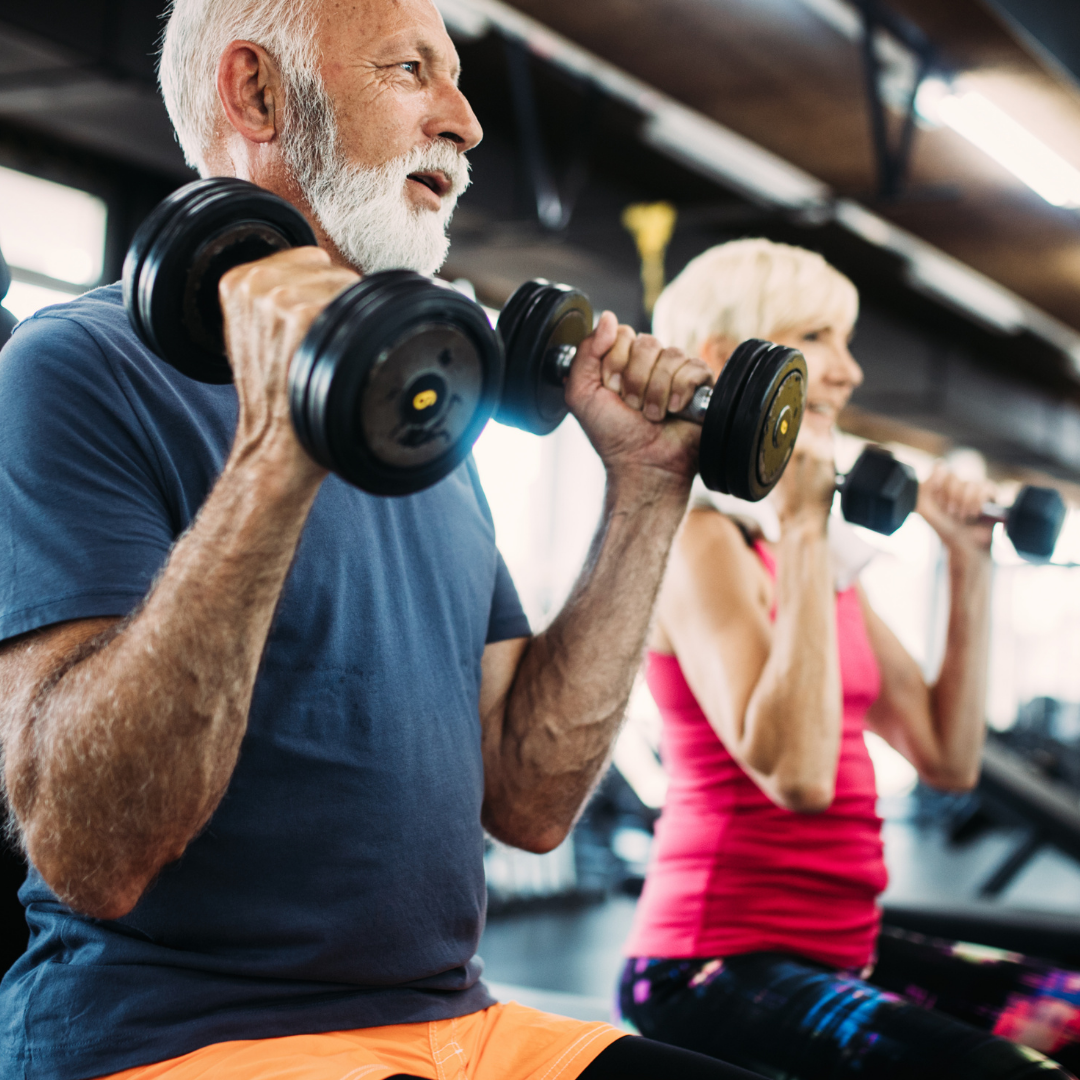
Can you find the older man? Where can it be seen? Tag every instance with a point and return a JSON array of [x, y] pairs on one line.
[[254, 721]]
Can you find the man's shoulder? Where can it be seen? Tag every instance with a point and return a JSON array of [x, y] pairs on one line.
[[98, 314], [85, 344]]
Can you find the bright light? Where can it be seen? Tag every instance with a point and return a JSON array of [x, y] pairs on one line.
[[50, 228], [23, 300], [1001, 137]]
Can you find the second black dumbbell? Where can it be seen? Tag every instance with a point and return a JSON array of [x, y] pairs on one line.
[[749, 419], [880, 492], [397, 377]]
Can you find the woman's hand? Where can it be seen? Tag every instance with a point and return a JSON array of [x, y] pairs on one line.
[[805, 491], [953, 508]]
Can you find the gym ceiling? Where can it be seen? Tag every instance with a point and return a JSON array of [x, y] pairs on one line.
[[753, 117]]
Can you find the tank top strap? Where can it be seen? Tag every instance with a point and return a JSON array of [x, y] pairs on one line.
[[766, 557]]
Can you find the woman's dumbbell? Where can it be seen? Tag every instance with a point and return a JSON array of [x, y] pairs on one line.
[[749, 419], [880, 492]]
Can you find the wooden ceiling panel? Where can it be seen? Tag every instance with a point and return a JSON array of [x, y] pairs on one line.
[[776, 72]]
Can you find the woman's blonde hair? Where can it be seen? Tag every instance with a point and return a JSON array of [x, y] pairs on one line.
[[751, 288]]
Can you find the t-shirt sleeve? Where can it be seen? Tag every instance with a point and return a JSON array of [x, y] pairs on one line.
[[508, 619], [84, 523]]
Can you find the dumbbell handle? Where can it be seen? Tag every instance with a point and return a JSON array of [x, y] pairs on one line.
[[989, 511], [995, 512], [557, 371]]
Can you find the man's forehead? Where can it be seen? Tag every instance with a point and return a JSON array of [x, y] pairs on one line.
[[389, 25]]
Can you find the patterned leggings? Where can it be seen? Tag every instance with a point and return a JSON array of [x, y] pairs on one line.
[[934, 1009]]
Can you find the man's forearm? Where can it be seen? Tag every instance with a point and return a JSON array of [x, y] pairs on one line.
[[958, 699], [572, 686], [130, 744]]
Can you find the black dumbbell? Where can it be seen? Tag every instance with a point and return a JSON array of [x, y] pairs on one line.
[[879, 492], [392, 384], [396, 379], [749, 419]]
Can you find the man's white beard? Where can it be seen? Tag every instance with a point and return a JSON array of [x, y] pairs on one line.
[[367, 212]]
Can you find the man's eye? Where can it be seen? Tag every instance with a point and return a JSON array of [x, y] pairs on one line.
[[411, 66]]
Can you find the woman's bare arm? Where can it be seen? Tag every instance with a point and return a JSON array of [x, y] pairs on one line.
[[940, 728], [771, 689]]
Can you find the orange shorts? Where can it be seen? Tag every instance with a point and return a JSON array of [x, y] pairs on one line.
[[503, 1042]]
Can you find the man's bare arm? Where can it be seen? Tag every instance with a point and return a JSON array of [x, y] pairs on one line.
[[551, 706], [548, 738], [118, 749]]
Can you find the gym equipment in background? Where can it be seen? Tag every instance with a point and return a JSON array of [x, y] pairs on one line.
[[750, 418], [879, 492], [397, 377]]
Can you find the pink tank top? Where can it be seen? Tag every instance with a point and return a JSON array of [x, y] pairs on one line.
[[731, 872]]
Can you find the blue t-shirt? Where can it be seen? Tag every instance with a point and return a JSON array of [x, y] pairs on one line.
[[340, 883]]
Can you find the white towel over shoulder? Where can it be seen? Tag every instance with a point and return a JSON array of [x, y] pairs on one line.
[[849, 552]]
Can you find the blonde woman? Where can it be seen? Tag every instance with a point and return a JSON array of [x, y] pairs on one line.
[[758, 926]]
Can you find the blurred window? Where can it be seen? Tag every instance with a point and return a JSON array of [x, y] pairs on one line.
[[53, 238]]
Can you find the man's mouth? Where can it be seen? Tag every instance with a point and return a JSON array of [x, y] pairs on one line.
[[438, 182]]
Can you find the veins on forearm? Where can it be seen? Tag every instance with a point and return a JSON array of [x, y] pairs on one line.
[[124, 750], [574, 682]]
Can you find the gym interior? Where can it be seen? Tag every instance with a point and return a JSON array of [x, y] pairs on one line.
[[928, 149]]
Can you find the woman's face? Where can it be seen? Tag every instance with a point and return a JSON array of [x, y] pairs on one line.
[[833, 372]]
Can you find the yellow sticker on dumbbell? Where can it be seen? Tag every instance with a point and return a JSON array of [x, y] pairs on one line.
[[783, 427], [424, 400]]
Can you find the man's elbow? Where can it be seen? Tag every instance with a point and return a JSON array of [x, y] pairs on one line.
[[86, 889], [536, 837], [541, 841]]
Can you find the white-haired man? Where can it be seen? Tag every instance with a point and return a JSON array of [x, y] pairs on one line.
[[253, 719]]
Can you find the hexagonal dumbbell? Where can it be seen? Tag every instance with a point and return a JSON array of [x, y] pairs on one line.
[[879, 492]]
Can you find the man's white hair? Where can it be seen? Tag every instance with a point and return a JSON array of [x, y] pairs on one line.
[[195, 37], [752, 288]]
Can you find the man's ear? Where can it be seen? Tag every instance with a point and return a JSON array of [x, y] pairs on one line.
[[716, 351], [249, 86]]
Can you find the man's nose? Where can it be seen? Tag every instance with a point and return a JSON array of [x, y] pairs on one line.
[[454, 120]]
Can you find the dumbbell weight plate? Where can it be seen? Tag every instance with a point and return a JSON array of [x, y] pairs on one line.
[[178, 257], [753, 420], [394, 382], [538, 318], [753, 417]]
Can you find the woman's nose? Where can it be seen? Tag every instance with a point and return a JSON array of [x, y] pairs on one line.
[[845, 368]]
